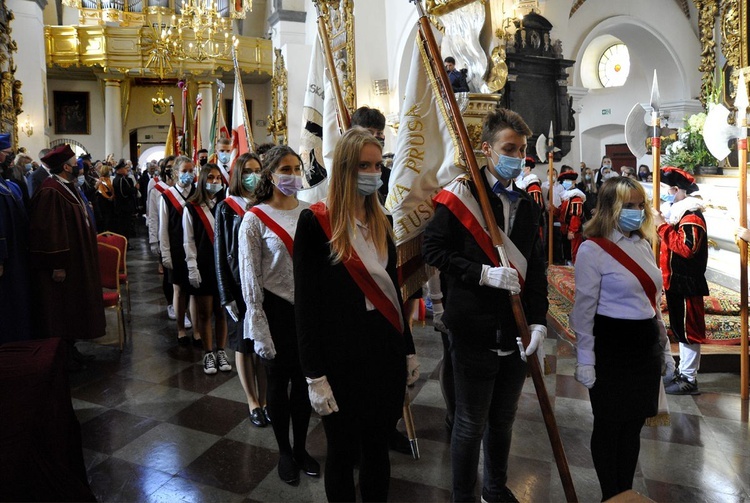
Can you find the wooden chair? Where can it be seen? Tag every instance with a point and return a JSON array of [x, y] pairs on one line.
[[109, 272], [121, 243]]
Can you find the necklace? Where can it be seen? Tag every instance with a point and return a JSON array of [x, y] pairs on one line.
[[78, 200]]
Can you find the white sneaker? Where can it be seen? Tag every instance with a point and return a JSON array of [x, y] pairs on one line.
[[188, 323], [221, 357], [209, 363], [170, 312]]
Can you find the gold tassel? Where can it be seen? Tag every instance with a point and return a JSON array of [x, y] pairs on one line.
[[661, 419]]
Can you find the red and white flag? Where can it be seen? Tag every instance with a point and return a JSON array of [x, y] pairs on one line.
[[197, 140], [242, 133]]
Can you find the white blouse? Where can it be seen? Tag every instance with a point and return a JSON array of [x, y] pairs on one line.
[[604, 286], [265, 263]]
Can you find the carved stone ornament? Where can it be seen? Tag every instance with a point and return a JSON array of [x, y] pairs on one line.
[[11, 99], [279, 86]]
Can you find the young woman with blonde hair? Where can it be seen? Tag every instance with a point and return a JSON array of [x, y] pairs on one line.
[[353, 337], [621, 337]]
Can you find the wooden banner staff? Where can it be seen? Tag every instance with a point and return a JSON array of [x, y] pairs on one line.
[[343, 112], [550, 193], [428, 39], [742, 151], [656, 156]]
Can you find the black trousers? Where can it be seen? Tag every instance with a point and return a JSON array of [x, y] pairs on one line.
[[284, 405], [615, 446]]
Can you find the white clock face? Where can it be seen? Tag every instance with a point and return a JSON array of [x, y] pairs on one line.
[[614, 66]]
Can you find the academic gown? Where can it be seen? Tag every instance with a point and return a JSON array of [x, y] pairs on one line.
[[15, 281], [62, 237]]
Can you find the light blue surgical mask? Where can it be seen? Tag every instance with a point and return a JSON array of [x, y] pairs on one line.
[[224, 157], [631, 219], [29, 167], [186, 179], [508, 167], [368, 183], [250, 181], [81, 180], [667, 198], [567, 184], [213, 188]]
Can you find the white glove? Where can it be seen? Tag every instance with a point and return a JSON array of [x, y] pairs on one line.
[[536, 343], [194, 276], [437, 322], [233, 311], [166, 261], [586, 375], [321, 396], [412, 369], [505, 278], [265, 348], [155, 248]]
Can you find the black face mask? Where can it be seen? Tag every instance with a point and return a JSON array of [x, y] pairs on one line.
[[8, 161], [203, 161]]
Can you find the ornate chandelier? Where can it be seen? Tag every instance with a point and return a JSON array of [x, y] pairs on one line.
[[200, 33]]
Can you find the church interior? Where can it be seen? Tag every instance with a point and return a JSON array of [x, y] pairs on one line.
[[109, 77]]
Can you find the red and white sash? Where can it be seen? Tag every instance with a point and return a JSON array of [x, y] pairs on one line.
[[365, 269], [275, 228], [457, 197], [207, 218], [631, 265], [178, 200], [161, 187], [238, 205]]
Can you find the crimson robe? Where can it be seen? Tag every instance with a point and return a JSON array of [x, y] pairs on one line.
[[62, 236]]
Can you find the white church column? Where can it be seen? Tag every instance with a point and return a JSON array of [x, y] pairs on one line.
[[28, 32], [287, 23], [112, 118], [576, 155], [207, 92]]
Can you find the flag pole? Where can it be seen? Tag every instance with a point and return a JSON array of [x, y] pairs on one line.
[[343, 112], [238, 80], [550, 193], [428, 39], [656, 155], [742, 151]]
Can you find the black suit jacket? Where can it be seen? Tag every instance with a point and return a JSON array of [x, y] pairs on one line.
[[37, 178], [226, 248], [478, 312]]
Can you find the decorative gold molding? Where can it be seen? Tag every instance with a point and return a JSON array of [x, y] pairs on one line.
[[279, 87], [440, 7], [128, 50], [339, 21], [707, 12], [11, 98]]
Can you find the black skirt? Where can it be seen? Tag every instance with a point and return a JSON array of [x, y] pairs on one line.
[[281, 324], [628, 368]]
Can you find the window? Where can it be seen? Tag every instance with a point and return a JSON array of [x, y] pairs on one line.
[[614, 66]]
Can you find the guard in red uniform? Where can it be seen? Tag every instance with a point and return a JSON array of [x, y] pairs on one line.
[[683, 259], [570, 215]]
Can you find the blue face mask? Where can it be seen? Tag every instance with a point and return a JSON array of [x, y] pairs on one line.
[[224, 157], [368, 183], [250, 181], [667, 198], [567, 184], [508, 167], [631, 219], [213, 188], [186, 179]]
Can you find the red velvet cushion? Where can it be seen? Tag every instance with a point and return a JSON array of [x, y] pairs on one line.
[[110, 298]]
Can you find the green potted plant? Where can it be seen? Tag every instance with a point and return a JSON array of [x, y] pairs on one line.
[[689, 151]]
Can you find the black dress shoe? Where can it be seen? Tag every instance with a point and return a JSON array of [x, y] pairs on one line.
[[183, 341], [198, 343], [257, 417], [288, 470], [267, 415], [398, 442], [307, 464]]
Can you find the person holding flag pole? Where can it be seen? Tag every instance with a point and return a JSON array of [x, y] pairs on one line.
[[480, 269]]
